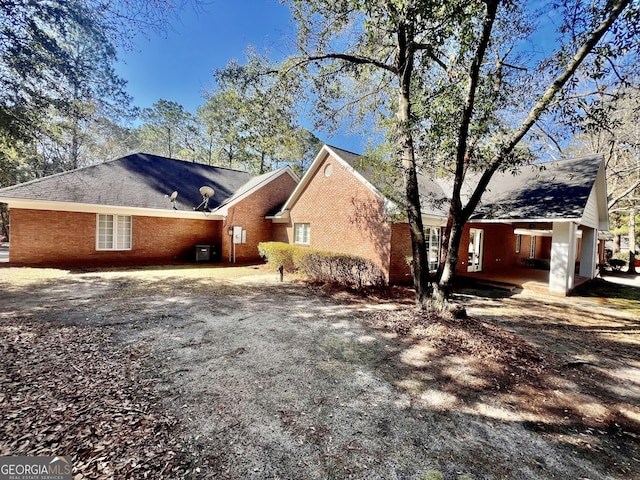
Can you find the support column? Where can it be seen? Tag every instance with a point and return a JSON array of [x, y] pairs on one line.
[[589, 254], [563, 257]]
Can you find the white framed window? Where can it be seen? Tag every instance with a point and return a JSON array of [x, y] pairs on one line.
[[113, 232], [302, 233], [518, 243], [434, 243]]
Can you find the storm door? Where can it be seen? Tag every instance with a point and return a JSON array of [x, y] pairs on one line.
[[476, 240]]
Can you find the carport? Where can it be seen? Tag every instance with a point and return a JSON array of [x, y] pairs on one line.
[[550, 217]]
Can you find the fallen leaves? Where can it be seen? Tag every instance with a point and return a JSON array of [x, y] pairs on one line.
[[502, 357], [67, 390]]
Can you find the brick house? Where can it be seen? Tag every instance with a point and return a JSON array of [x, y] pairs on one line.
[[545, 214], [123, 212]]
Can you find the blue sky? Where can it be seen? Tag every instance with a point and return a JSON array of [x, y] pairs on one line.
[[179, 65]]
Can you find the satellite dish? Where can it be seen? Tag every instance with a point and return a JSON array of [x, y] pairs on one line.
[[207, 192], [172, 198]]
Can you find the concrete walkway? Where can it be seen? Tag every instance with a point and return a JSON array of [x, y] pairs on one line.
[[538, 280], [623, 278]]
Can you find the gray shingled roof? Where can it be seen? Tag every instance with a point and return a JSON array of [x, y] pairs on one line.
[[253, 183], [551, 190], [432, 195], [138, 180]]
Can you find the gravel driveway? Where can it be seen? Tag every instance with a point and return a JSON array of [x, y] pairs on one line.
[[273, 381]]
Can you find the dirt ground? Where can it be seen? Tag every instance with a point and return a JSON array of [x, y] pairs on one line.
[[226, 373]]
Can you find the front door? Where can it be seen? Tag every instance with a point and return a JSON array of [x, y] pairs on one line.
[[476, 237]]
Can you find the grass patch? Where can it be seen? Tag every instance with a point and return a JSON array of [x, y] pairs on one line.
[[625, 297]]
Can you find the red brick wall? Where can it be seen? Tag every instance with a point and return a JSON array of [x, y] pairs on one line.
[[500, 248], [43, 237], [249, 214], [279, 233], [345, 216], [399, 270]]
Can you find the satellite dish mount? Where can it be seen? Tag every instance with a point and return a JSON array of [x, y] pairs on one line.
[[207, 193], [172, 199]]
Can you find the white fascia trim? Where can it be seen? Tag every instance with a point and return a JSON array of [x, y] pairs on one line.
[[356, 174], [540, 233], [224, 209], [280, 217], [107, 209], [526, 220], [322, 155], [602, 195]]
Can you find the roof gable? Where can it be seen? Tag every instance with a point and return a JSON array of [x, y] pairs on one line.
[[254, 184], [549, 191], [345, 158], [137, 181]]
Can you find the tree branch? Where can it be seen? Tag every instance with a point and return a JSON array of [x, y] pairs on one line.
[[428, 49], [615, 8], [626, 192], [351, 59], [467, 112]]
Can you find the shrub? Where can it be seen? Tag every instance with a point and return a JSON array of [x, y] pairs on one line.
[[624, 256], [617, 263], [324, 267], [347, 270], [279, 254]]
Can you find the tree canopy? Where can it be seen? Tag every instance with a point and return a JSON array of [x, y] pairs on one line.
[[460, 87]]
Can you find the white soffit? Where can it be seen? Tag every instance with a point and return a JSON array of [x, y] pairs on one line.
[[107, 209]]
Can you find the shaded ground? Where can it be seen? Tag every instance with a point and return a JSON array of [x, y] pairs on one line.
[[210, 373]]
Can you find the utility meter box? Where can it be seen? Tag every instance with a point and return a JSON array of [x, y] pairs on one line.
[[239, 235]]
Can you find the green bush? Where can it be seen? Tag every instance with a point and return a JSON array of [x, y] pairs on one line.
[[624, 256], [279, 254], [324, 267]]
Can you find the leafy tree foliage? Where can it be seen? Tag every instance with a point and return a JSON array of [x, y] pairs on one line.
[[58, 83], [606, 121], [167, 130], [457, 86], [251, 118]]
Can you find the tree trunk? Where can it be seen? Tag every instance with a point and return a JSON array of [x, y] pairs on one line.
[[632, 239], [74, 154], [4, 220], [420, 268], [440, 295], [262, 162], [616, 242], [451, 258]]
